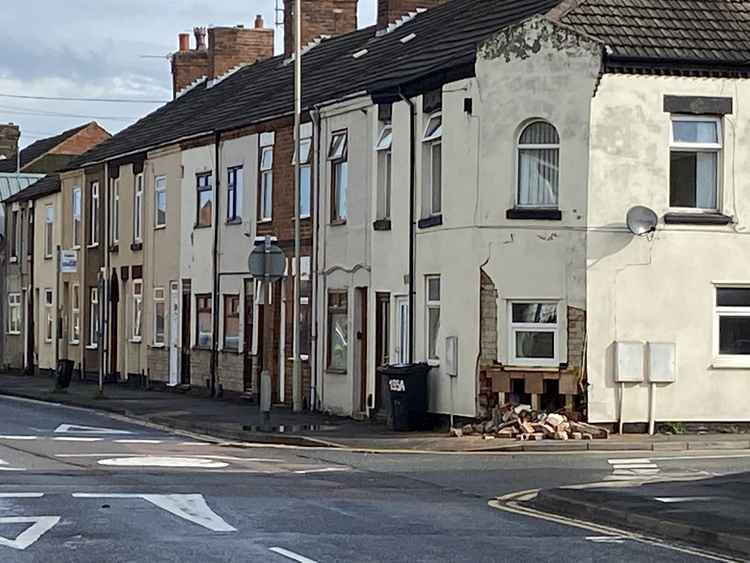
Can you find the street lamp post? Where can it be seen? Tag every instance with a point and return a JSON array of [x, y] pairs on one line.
[[297, 368]]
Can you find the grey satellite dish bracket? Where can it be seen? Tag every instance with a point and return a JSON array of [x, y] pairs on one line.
[[641, 220]]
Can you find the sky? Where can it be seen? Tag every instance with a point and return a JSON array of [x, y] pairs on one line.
[[112, 49]]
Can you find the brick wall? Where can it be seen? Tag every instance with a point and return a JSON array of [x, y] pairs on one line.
[[232, 46], [158, 364], [487, 319], [319, 17], [9, 135], [200, 367], [391, 10], [82, 141], [230, 371]]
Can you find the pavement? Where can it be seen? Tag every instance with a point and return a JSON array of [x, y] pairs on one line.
[[82, 486], [710, 512], [236, 421]]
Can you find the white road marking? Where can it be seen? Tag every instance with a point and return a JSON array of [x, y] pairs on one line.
[[683, 499], [637, 466], [76, 439], [138, 442], [21, 495], [631, 469], [77, 429], [291, 555], [628, 460], [195, 444], [607, 539], [323, 470], [19, 437], [191, 507], [39, 526], [156, 461]]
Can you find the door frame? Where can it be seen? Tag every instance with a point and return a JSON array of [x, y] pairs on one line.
[[174, 329], [185, 341], [401, 331]]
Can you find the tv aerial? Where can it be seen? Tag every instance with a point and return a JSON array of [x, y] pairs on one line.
[[641, 220]]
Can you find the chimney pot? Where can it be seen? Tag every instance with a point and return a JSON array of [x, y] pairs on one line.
[[258, 22], [184, 42], [200, 38]]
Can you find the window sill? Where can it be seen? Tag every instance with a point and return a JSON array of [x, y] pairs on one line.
[[158, 346], [338, 222], [688, 218], [14, 334], [235, 221], [95, 245], [382, 225], [115, 249], [48, 257], [731, 363], [76, 247], [433, 221], [302, 357], [135, 340], [201, 348], [13, 260], [529, 214], [197, 226], [75, 342], [264, 221], [521, 367], [332, 371], [136, 246], [233, 351], [433, 363], [92, 347], [159, 227]]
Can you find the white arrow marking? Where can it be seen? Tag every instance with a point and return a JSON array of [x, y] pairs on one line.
[[76, 429], [291, 555], [192, 508], [76, 439], [39, 526], [21, 495], [683, 499]]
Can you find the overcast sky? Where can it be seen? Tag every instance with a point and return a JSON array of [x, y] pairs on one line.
[[95, 49]]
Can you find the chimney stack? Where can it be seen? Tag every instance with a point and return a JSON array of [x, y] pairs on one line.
[[319, 17], [390, 11], [9, 136]]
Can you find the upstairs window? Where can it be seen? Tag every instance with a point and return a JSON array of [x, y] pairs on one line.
[[338, 154], [265, 177], [160, 202], [234, 194], [694, 156], [305, 176], [15, 239], [538, 166], [115, 226], [76, 206], [432, 141], [138, 209], [205, 200], [49, 223], [384, 156], [94, 224], [534, 333]]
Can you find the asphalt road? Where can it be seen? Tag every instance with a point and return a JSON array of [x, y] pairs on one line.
[[77, 486]]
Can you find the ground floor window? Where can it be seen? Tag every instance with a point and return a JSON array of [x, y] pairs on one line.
[[232, 322], [432, 305], [14, 313], [50, 310], [160, 313], [534, 333], [338, 330], [137, 310], [93, 317], [733, 321], [75, 314], [203, 312]]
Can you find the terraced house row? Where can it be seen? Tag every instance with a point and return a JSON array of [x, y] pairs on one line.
[[467, 168]]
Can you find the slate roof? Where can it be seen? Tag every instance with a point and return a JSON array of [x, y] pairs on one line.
[[444, 44], [39, 148], [688, 31], [49, 184]]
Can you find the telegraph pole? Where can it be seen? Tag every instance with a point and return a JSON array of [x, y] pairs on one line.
[[297, 369]]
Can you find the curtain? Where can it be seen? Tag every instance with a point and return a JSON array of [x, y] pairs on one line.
[[538, 177]]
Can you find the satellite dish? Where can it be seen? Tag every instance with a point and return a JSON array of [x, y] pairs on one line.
[[641, 220]]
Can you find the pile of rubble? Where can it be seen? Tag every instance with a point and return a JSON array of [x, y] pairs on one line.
[[521, 423]]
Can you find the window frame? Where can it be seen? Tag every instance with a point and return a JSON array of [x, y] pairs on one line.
[[93, 318], [94, 213], [115, 212], [338, 156], [203, 186], [235, 187], [334, 310], [198, 310], [727, 360], [160, 188], [160, 301], [384, 156], [556, 329], [541, 146], [230, 297], [77, 215], [138, 192], [431, 142], [49, 307], [14, 246], [49, 234], [265, 184], [75, 314], [715, 148], [136, 330], [432, 305], [15, 303], [305, 164]]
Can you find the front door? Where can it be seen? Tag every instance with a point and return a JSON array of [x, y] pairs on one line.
[[362, 346], [247, 332], [382, 343], [186, 314], [402, 329], [174, 328]]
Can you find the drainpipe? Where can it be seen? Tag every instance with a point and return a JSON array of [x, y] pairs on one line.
[[215, 271], [412, 223], [314, 355]]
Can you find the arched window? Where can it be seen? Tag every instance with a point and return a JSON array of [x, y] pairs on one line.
[[538, 165]]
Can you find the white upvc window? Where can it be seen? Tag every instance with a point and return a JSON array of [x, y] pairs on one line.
[[235, 190], [265, 174], [384, 152], [338, 155], [76, 207], [534, 333], [50, 312], [137, 334], [93, 317], [432, 142], [694, 162], [49, 223], [159, 316], [115, 213], [160, 202], [138, 209], [432, 308], [75, 314], [14, 313], [732, 326], [305, 174], [94, 224], [538, 166]]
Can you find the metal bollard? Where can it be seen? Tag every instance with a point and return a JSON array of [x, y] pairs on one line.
[[265, 395]]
